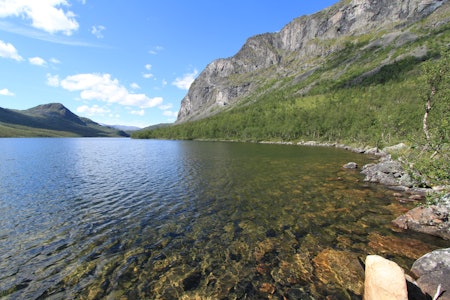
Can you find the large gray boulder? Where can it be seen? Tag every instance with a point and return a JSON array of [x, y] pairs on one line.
[[388, 172], [432, 270]]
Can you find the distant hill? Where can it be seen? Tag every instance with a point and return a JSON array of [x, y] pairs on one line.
[[51, 120], [160, 125], [124, 127]]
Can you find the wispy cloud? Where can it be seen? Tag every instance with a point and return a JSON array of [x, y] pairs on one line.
[[155, 50], [172, 115], [54, 61], [103, 87], [6, 92], [135, 86], [37, 61], [93, 110], [52, 80], [169, 113], [7, 50], [138, 112], [147, 75], [97, 31], [166, 106], [185, 81], [45, 36], [46, 15]]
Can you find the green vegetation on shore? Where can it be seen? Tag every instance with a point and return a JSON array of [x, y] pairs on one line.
[[359, 106]]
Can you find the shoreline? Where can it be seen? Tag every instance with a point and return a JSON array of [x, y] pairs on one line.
[[430, 217], [431, 269]]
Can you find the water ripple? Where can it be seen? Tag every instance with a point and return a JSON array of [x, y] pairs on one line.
[[98, 218]]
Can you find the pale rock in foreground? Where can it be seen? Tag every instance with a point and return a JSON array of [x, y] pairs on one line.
[[384, 280]]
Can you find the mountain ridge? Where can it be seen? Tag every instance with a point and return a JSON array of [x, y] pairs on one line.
[[300, 47], [52, 120]]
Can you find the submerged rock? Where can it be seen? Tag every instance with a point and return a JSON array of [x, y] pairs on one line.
[[340, 268], [390, 245], [384, 279]]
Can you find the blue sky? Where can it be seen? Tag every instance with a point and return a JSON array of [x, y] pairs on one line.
[[124, 62]]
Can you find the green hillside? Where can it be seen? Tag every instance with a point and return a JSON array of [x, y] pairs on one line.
[[352, 96], [344, 99]]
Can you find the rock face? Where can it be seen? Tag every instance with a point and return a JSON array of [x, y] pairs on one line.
[[433, 269], [292, 50], [384, 279]]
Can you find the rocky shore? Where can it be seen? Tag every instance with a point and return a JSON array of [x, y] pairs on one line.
[[431, 219], [384, 278], [432, 269]]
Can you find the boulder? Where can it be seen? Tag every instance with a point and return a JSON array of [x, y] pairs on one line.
[[384, 279], [432, 270], [387, 172], [395, 148], [350, 165], [431, 220]]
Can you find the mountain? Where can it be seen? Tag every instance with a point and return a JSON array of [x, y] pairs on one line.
[[298, 51], [51, 120], [124, 127]]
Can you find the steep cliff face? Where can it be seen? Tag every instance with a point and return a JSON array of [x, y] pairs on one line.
[[296, 50]]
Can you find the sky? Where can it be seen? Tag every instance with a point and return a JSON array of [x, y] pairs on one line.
[[123, 62]]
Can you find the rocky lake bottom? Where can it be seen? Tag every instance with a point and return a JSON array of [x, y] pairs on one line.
[[192, 220]]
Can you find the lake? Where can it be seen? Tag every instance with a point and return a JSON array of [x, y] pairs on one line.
[[97, 218]]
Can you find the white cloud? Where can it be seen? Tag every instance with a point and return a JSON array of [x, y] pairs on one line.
[[148, 67], [45, 15], [102, 87], [52, 80], [97, 31], [185, 82], [54, 61], [6, 92], [37, 61], [135, 86], [7, 50], [92, 110], [166, 106], [138, 112], [155, 50], [169, 113]]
